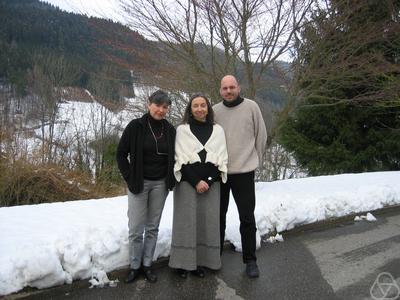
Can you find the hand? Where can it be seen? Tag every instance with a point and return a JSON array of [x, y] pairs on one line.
[[202, 187]]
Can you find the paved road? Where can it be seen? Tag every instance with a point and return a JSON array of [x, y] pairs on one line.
[[335, 262]]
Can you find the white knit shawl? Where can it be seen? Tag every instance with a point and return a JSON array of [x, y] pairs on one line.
[[187, 147]]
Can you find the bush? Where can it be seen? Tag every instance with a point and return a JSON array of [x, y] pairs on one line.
[[23, 183]]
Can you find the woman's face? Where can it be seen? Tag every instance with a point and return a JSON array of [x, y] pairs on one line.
[[199, 109], [158, 111]]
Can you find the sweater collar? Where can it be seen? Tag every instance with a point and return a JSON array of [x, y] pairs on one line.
[[193, 121], [233, 103], [148, 118]]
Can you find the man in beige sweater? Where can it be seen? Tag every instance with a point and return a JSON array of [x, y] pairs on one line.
[[246, 138]]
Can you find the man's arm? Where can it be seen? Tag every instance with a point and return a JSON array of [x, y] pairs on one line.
[[260, 132]]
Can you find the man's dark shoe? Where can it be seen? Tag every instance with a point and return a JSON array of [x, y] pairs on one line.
[[182, 273], [149, 274], [132, 275], [252, 269], [199, 272]]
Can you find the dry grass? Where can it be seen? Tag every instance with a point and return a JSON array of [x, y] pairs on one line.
[[23, 183]]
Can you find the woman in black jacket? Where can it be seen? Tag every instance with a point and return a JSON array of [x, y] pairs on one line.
[[148, 142]]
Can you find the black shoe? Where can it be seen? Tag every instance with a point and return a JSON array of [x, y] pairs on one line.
[[132, 275], [252, 269], [182, 273], [199, 272], [149, 274]]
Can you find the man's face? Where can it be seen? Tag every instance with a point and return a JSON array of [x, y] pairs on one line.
[[230, 89]]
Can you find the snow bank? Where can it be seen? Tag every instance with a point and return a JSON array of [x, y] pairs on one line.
[[51, 244]]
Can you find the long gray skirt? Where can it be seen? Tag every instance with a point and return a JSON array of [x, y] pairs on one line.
[[195, 231]]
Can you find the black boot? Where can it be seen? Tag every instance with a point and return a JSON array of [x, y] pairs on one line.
[[149, 274], [199, 272], [252, 269], [182, 273], [132, 275]]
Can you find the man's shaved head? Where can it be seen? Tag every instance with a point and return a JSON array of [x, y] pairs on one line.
[[230, 88]]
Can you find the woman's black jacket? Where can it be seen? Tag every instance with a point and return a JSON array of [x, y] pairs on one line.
[[131, 143]]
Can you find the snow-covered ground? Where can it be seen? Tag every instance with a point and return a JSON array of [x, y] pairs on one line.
[[77, 126], [76, 118], [52, 244]]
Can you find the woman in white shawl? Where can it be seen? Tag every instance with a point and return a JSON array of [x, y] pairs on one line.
[[201, 163]]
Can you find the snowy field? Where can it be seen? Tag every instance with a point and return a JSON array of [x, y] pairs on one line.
[[77, 119], [52, 244]]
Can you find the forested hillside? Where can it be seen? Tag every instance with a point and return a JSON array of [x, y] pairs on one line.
[[98, 53], [94, 49]]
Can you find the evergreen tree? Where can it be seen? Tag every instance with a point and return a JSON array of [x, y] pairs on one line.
[[347, 87]]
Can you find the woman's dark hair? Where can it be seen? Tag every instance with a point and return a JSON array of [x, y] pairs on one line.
[[160, 97], [188, 111]]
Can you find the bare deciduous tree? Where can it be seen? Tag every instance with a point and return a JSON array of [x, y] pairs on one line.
[[47, 76], [214, 37]]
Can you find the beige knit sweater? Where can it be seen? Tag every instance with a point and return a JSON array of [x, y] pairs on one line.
[[245, 133]]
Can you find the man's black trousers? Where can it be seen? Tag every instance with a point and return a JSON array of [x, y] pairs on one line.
[[243, 191]]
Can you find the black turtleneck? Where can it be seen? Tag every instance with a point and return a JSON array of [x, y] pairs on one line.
[[154, 164], [208, 172], [233, 103]]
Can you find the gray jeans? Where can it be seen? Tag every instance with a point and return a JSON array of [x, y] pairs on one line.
[[144, 214]]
